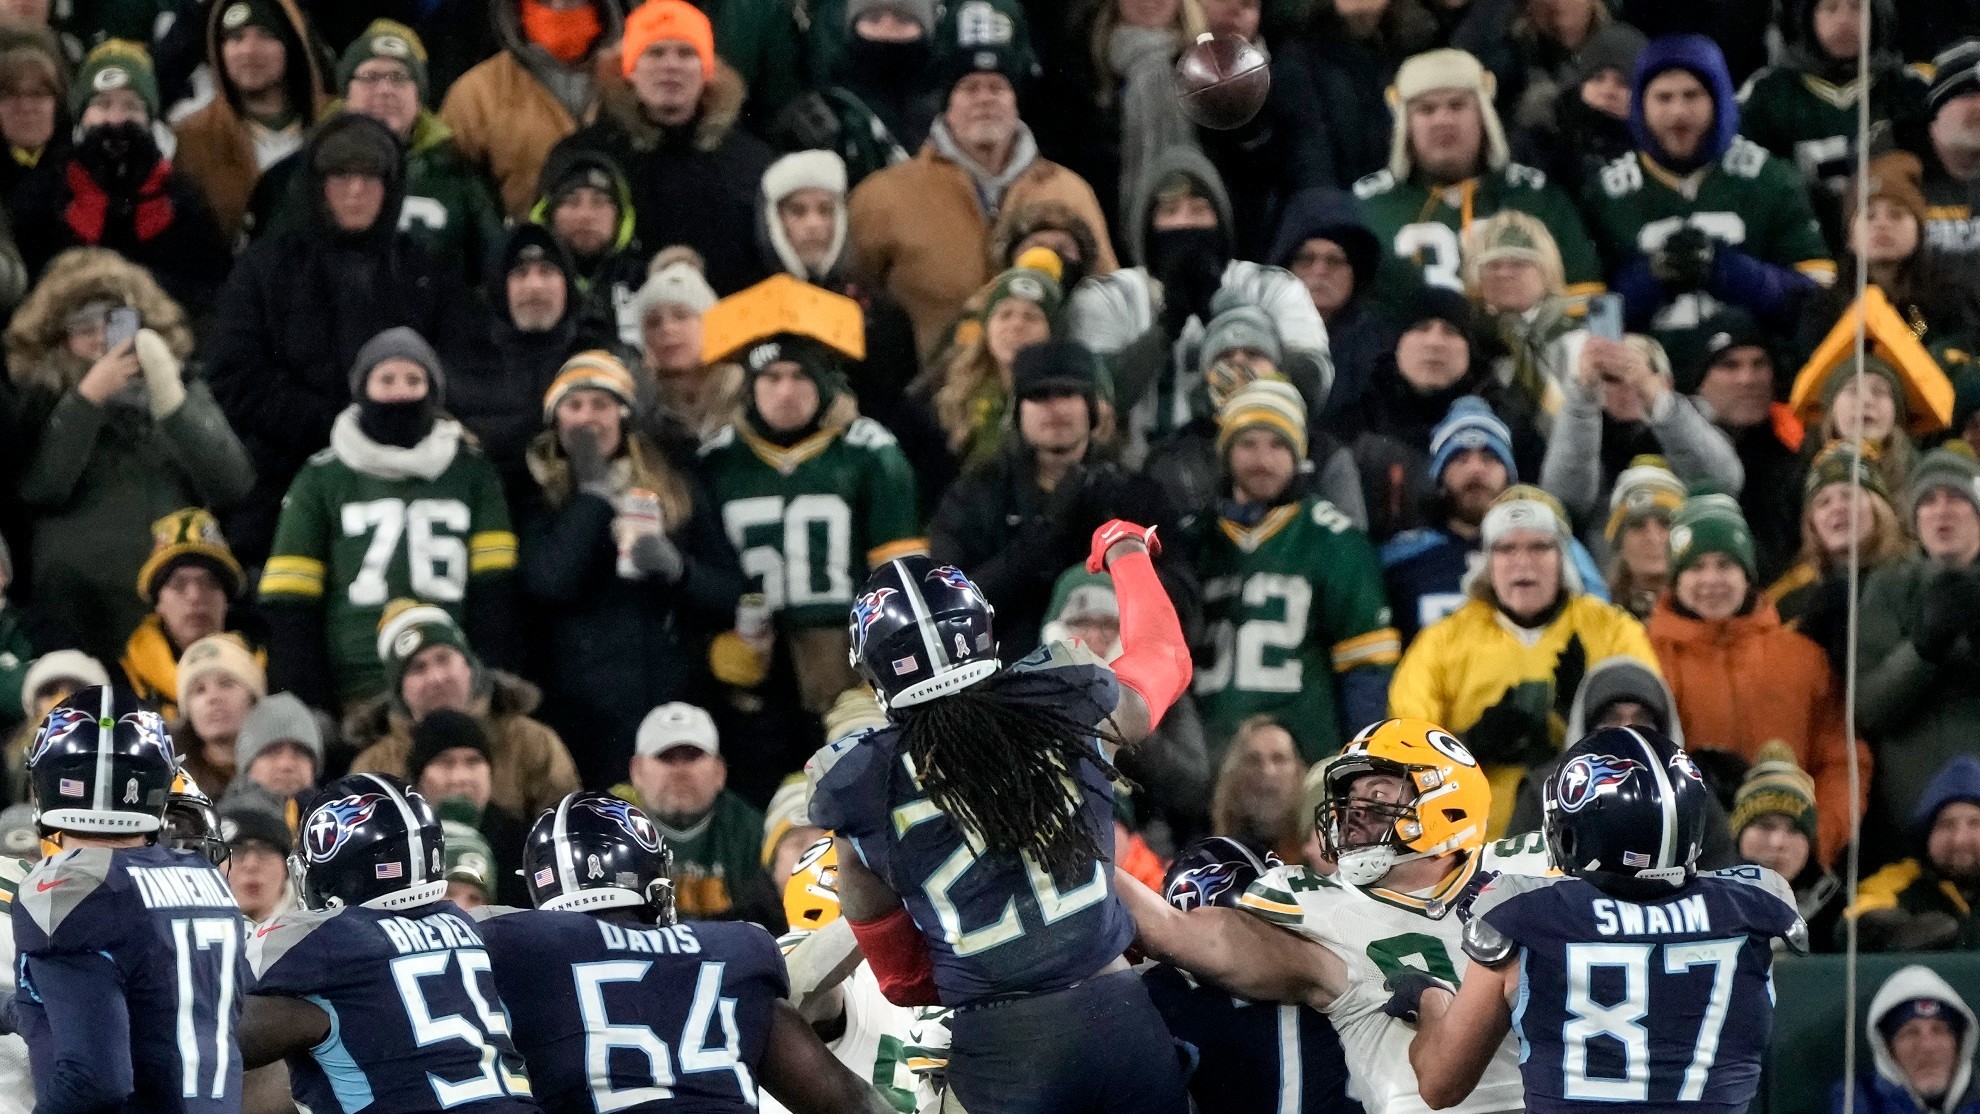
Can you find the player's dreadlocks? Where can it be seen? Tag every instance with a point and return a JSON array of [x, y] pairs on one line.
[[1008, 770]]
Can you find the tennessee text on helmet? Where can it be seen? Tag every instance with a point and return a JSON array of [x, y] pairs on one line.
[[1445, 801], [1626, 811], [102, 765], [921, 630], [595, 851], [369, 840]]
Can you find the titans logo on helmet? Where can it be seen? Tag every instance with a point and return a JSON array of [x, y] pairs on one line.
[[1201, 886], [151, 731], [866, 610], [1682, 763], [330, 825], [635, 823], [954, 578], [61, 723], [1586, 775]]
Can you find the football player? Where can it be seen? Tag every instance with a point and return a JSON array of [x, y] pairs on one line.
[[1402, 814], [1626, 968], [132, 953], [379, 994], [866, 1032], [618, 1007], [1250, 1057], [975, 829]]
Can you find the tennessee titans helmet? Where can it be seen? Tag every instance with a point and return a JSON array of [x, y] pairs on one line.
[[369, 840], [191, 824], [595, 851], [1626, 811], [101, 764], [1215, 870], [921, 630]]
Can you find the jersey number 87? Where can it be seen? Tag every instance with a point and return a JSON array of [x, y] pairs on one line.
[[1622, 1021]]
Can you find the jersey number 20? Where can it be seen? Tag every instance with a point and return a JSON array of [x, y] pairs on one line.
[[1622, 1021]]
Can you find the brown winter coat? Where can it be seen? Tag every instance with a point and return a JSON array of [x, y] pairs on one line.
[[216, 144], [505, 120], [1745, 681], [918, 231], [531, 769]]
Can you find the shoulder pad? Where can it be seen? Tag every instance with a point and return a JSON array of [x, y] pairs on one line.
[[1275, 895], [1504, 888], [53, 889], [490, 912], [1487, 945], [865, 433], [1774, 886], [1059, 653], [1408, 545], [840, 784], [274, 940], [721, 438], [1379, 182]]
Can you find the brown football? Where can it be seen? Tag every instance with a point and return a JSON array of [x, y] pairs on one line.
[[1222, 81]]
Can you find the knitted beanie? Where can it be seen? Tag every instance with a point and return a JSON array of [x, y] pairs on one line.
[[220, 653], [1647, 487], [392, 41], [1775, 783], [676, 277], [1470, 424], [1950, 466], [115, 64], [595, 369], [1264, 404], [1711, 523]]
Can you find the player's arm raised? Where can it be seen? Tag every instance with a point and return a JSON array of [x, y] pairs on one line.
[[1154, 666], [1234, 950], [800, 1072], [273, 1027], [1457, 1035]]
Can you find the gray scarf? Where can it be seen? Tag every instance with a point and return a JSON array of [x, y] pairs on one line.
[[990, 188]]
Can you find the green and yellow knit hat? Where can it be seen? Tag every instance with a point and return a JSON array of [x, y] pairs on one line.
[[1834, 466], [115, 64], [1646, 488], [392, 41], [1033, 277], [190, 534], [1775, 783], [408, 626], [1272, 404], [1711, 523]]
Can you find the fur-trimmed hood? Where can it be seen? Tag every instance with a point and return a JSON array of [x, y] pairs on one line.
[[721, 106], [37, 353]]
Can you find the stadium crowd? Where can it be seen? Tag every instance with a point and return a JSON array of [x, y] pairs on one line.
[[513, 395]]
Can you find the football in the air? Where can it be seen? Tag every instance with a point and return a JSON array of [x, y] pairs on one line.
[[1222, 81]]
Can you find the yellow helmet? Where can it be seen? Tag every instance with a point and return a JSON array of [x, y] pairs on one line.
[[811, 897], [1443, 809]]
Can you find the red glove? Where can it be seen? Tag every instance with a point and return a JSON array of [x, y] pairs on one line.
[[894, 949], [1119, 530]]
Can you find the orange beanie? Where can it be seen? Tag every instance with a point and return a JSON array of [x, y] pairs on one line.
[[656, 20]]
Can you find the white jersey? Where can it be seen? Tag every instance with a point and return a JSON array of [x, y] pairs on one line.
[[874, 1045], [1377, 933], [16, 1081]]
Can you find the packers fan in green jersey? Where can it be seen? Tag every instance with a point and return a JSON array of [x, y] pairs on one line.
[[1448, 167], [812, 496], [1699, 216], [1292, 590], [1804, 109], [401, 504]]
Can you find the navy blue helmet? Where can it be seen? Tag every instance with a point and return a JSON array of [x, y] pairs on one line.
[[595, 851], [369, 840], [921, 630], [102, 764], [1215, 870], [1626, 811]]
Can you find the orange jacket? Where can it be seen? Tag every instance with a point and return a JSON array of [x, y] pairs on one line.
[[1744, 681], [918, 231], [505, 122]]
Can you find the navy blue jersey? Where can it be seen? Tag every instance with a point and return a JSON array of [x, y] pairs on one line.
[[1423, 571], [415, 1022], [626, 1017], [1253, 1057], [132, 964], [995, 926], [1625, 1005]]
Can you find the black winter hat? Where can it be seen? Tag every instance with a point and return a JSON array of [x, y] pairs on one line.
[[349, 143], [241, 824], [443, 730], [1064, 365]]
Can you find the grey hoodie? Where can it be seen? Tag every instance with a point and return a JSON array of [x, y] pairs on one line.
[[1920, 981]]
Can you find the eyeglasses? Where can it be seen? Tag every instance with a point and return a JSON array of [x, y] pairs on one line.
[[396, 79]]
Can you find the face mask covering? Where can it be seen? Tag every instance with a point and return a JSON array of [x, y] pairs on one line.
[[566, 34], [399, 424], [118, 155], [887, 63]]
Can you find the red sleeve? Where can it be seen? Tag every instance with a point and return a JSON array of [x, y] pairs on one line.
[[1154, 659], [894, 949]]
